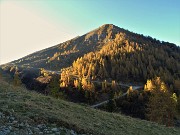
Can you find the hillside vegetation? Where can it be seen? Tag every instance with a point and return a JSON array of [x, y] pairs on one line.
[[104, 65], [130, 57], [38, 109], [63, 54], [111, 52]]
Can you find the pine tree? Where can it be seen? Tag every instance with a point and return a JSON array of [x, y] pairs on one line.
[[105, 85], [53, 87], [129, 91], [113, 85], [177, 86], [148, 86], [17, 79], [178, 104], [161, 106], [76, 82], [111, 106], [0, 75], [84, 84]]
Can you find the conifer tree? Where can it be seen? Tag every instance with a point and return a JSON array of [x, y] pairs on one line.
[[161, 106], [178, 105], [130, 90], [0, 75], [111, 106], [113, 85], [53, 86], [17, 79], [76, 82]]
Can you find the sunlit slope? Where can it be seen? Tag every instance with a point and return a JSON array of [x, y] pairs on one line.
[[63, 54], [111, 52]]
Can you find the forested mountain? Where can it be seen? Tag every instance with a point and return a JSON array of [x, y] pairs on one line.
[[111, 52], [124, 60], [63, 54], [129, 57], [111, 36], [102, 66]]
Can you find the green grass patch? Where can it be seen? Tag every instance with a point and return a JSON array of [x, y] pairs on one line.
[[37, 108]]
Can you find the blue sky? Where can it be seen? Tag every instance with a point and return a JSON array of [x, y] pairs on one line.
[[44, 23]]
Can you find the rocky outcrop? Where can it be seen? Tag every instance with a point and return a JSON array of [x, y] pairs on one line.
[[11, 125]]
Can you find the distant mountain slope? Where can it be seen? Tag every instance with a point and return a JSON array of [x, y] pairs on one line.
[[111, 52], [123, 59], [129, 57], [62, 55], [27, 110]]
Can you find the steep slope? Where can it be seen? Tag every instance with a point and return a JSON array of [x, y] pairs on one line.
[[62, 55], [129, 57], [111, 52], [33, 110], [127, 60]]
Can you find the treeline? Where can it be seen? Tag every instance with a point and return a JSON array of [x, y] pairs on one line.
[[155, 103], [127, 61]]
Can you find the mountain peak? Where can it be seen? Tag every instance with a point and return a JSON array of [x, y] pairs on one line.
[[104, 31], [107, 25]]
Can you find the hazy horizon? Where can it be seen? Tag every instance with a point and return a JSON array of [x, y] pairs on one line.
[[29, 26]]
